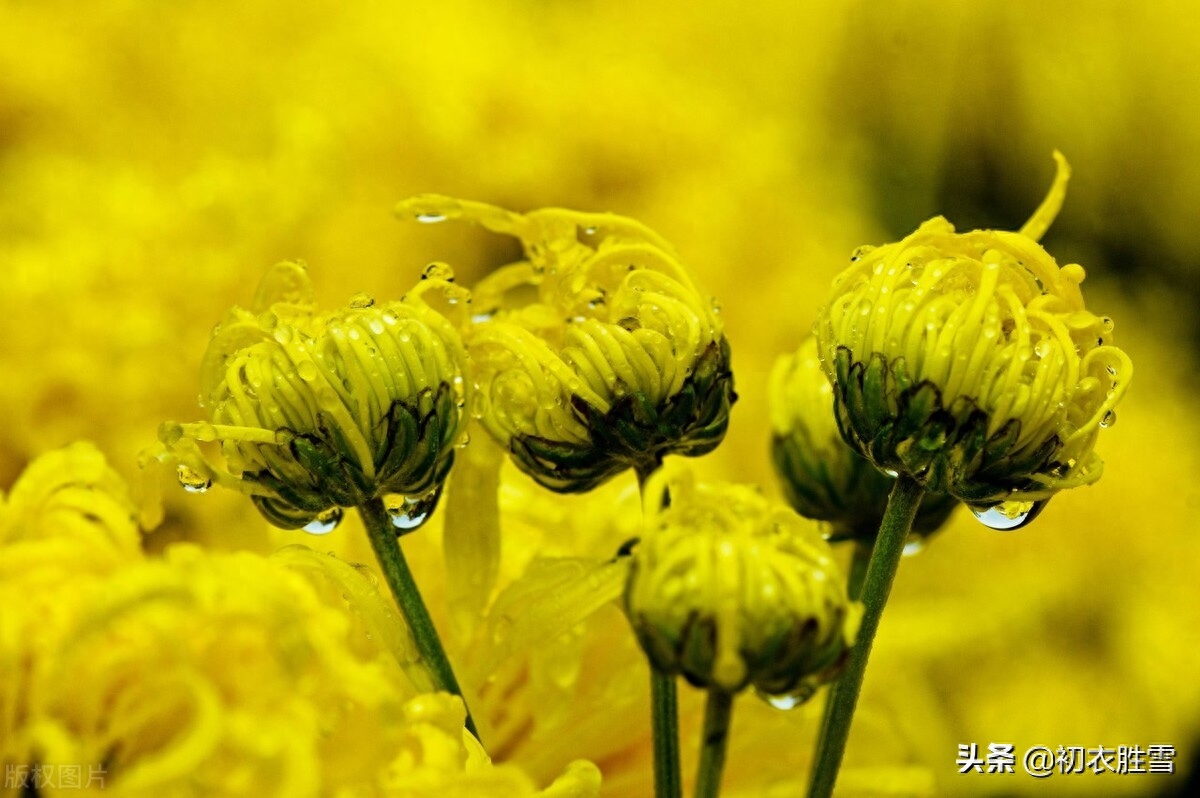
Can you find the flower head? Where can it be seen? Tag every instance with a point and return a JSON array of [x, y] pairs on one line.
[[731, 590], [822, 477], [969, 362], [598, 352], [317, 411]]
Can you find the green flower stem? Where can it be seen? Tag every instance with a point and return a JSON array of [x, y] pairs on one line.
[[408, 597], [665, 721], [716, 734], [664, 708], [889, 546], [859, 561]]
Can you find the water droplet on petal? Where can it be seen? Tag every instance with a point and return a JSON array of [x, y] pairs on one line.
[[1010, 515], [361, 301], [1109, 419], [325, 522], [438, 271], [891, 473], [431, 218], [170, 432], [913, 547], [192, 481], [590, 230], [307, 370], [408, 513]]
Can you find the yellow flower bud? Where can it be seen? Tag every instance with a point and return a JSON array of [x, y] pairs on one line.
[[598, 352], [731, 590], [318, 411], [822, 477], [969, 362]]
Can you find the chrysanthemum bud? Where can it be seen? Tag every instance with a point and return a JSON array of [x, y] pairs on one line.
[[318, 411], [969, 362], [596, 354], [822, 477], [732, 590]]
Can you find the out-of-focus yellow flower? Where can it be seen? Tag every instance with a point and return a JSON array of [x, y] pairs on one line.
[[596, 354], [822, 477], [969, 362], [67, 522], [215, 674], [218, 675], [71, 509], [731, 590], [315, 412]]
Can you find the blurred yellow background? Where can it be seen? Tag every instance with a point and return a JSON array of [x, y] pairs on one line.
[[156, 157]]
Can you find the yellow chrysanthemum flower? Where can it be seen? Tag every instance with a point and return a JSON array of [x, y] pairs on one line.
[[596, 354], [822, 477], [67, 523], [205, 674], [731, 590], [970, 363], [315, 412]]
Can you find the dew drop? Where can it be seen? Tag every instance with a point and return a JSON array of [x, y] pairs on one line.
[[307, 370], [438, 270], [1109, 419], [1042, 348], [1106, 324], [788, 701], [431, 218], [858, 253], [408, 513], [205, 431], [590, 230], [361, 301], [325, 522], [192, 481], [891, 473], [913, 547], [170, 432], [283, 334], [1010, 515]]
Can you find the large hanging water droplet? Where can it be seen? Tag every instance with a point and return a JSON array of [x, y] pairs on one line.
[[1109, 419], [408, 513], [787, 701], [1010, 515], [192, 481], [325, 522]]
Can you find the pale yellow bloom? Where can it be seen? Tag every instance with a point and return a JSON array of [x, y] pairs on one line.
[[315, 412], [596, 354], [969, 361], [731, 590], [66, 524], [821, 476]]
